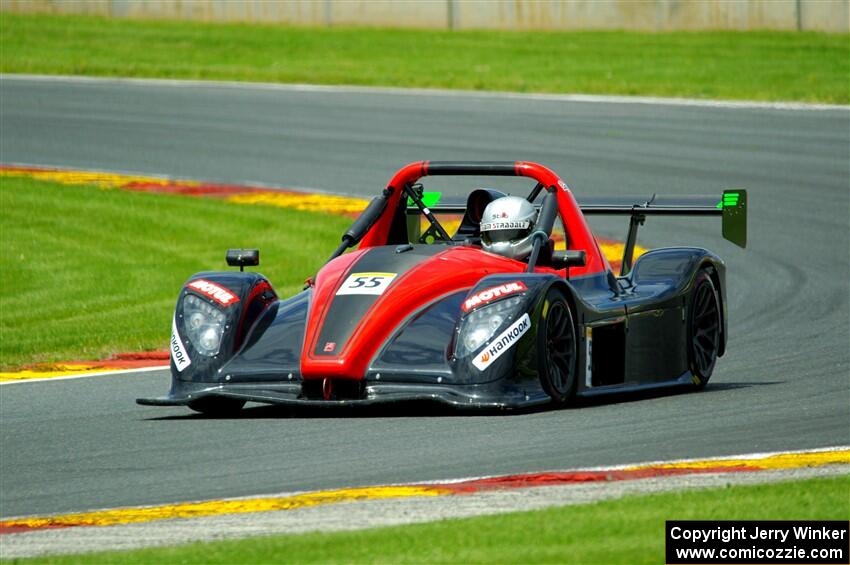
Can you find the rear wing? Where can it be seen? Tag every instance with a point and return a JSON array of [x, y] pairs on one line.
[[731, 207]]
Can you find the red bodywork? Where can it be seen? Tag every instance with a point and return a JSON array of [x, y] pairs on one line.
[[456, 268]]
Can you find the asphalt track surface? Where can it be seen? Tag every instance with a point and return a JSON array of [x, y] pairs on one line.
[[784, 384]]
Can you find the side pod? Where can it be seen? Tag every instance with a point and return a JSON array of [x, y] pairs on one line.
[[668, 273]]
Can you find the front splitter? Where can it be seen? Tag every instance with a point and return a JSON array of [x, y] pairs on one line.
[[482, 396]]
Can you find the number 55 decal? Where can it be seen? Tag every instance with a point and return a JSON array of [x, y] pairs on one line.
[[366, 283]]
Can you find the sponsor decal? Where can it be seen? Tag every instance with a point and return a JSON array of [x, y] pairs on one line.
[[214, 291], [178, 350], [588, 368], [490, 226], [366, 283], [502, 343], [330, 346], [493, 293]]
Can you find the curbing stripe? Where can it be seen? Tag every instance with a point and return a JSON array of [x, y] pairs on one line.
[[27, 377], [215, 507], [741, 464], [777, 461], [308, 200], [692, 462], [301, 201]]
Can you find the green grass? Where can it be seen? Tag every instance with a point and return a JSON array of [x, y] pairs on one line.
[[725, 65], [86, 272], [629, 530]]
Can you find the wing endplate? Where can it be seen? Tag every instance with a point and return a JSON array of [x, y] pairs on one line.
[[734, 205]]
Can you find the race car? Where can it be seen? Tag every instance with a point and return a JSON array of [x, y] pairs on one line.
[[425, 314]]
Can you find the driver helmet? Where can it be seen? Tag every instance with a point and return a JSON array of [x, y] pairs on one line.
[[506, 227]]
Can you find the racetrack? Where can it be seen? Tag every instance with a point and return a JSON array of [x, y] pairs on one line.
[[81, 444]]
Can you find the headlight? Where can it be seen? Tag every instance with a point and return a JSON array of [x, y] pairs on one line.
[[477, 328], [204, 324]]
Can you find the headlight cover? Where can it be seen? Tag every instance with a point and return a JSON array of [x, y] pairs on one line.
[[204, 325], [482, 324]]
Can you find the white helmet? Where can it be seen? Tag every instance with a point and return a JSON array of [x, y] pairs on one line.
[[506, 227]]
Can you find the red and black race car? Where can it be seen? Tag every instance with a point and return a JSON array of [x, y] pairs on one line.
[[414, 315]]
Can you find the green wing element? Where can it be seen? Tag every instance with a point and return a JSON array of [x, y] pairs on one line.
[[734, 205]]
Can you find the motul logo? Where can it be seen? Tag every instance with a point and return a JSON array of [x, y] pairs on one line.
[[212, 290], [489, 294]]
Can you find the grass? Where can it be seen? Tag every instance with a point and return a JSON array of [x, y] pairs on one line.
[[628, 530], [807, 66], [86, 272]]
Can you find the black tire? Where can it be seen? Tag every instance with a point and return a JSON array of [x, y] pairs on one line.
[[557, 350], [704, 327], [217, 406]]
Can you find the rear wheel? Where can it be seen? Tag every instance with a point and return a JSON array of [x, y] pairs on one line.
[[218, 406], [556, 342], [703, 329]]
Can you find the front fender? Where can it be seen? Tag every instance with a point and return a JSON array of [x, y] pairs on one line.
[[240, 296], [510, 351]]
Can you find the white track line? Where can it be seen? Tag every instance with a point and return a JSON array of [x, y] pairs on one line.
[[87, 375], [352, 89]]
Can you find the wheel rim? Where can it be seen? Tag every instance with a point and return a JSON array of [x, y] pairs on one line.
[[705, 338], [560, 347]]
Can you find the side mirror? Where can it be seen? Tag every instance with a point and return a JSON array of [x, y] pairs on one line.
[[570, 258], [243, 257]]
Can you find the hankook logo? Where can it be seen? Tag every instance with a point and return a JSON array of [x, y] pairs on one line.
[[502, 343], [178, 351]]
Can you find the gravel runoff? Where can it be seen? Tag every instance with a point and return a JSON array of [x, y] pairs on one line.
[[369, 514]]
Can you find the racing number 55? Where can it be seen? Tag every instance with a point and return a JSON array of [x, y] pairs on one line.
[[366, 283]]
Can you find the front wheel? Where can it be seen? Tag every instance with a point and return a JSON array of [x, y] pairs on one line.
[[703, 329], [217, 406], [556, 348]]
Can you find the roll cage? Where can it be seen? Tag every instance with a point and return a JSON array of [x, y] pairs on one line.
[[384, 222]]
